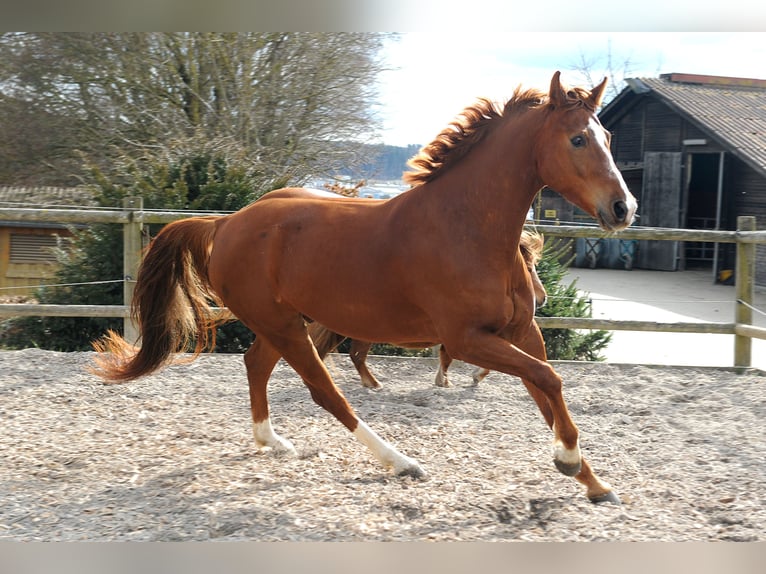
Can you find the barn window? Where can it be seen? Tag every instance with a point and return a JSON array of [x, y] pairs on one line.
[[26, 248]]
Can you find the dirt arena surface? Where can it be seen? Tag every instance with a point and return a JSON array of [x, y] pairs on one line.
[[170, 457]]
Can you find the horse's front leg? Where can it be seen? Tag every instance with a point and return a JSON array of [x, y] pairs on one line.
[[597, 490], [479, 374], [445, 361], [441, 379], [493, 352]]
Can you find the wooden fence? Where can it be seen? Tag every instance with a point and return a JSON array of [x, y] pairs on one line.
[[133, 217]]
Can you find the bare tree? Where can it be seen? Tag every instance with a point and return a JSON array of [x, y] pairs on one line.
[[594, 68], [288, 103]]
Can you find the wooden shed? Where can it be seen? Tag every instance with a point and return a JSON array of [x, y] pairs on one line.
[[692, 149], [27, 250]]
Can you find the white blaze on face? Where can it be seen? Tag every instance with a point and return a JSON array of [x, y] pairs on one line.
[[600, 137]]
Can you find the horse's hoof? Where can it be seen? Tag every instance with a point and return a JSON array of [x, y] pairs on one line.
[[441, 380], [610, 497], [279, 447], [414, 470], [278, 451], [567, 469]]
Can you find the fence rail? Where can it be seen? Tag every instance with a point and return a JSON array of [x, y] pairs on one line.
[[132, 217]]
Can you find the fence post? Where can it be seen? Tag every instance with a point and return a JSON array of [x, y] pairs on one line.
[[131, 258], [745, 282]]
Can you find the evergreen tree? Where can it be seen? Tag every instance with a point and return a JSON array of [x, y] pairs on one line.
[[565, 301]]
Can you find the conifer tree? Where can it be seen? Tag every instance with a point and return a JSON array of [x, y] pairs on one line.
[[564, 300]]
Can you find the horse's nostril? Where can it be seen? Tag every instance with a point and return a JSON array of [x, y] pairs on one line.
[[620, 210]]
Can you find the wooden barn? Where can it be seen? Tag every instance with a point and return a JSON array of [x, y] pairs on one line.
[[27, 249], [692, 149]]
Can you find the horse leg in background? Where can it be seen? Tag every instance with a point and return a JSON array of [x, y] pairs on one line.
[[324, 340], [597, 490], [358, 353], [445, 361], [327, 341], [479, 375], [293, 343]]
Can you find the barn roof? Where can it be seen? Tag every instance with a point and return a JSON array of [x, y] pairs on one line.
[[731, 110]]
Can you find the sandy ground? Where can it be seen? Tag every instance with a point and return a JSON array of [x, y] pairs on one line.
[[170, 457], [683, 296]]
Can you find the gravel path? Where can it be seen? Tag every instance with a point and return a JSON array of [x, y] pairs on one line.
[[170, 457]]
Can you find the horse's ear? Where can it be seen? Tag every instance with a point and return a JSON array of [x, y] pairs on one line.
[[597, 94], [556, 92]]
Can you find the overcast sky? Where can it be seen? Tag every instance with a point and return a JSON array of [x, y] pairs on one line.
[[434, 79]]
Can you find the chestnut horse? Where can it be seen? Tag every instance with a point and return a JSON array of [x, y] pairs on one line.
[[439, 263], [325, 341]]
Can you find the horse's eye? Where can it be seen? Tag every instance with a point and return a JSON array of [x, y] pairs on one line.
[[578, 141]]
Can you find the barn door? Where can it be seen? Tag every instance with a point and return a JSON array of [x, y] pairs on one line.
[[660, 207]]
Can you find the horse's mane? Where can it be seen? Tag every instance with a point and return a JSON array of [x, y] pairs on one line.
[[467, 129], [531, 245], [470, 126]]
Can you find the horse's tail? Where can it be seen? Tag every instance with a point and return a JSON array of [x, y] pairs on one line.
[[171, 303], [324, 340]]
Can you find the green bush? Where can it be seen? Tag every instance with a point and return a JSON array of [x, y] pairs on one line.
[[565, 301]]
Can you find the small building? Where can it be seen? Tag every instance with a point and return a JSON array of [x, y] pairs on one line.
[[28, 249], [692, 149]]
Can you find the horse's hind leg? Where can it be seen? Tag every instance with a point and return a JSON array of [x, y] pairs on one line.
[[294, 344], [358, 354], [597, 490], [260, 360]]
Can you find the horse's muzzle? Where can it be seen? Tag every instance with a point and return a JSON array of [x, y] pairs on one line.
[[620, 210], [620, 214]]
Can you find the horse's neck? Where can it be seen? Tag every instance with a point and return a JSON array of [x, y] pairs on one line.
[[489, 190]]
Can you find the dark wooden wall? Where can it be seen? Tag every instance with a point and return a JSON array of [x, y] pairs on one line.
[[652, 126]]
